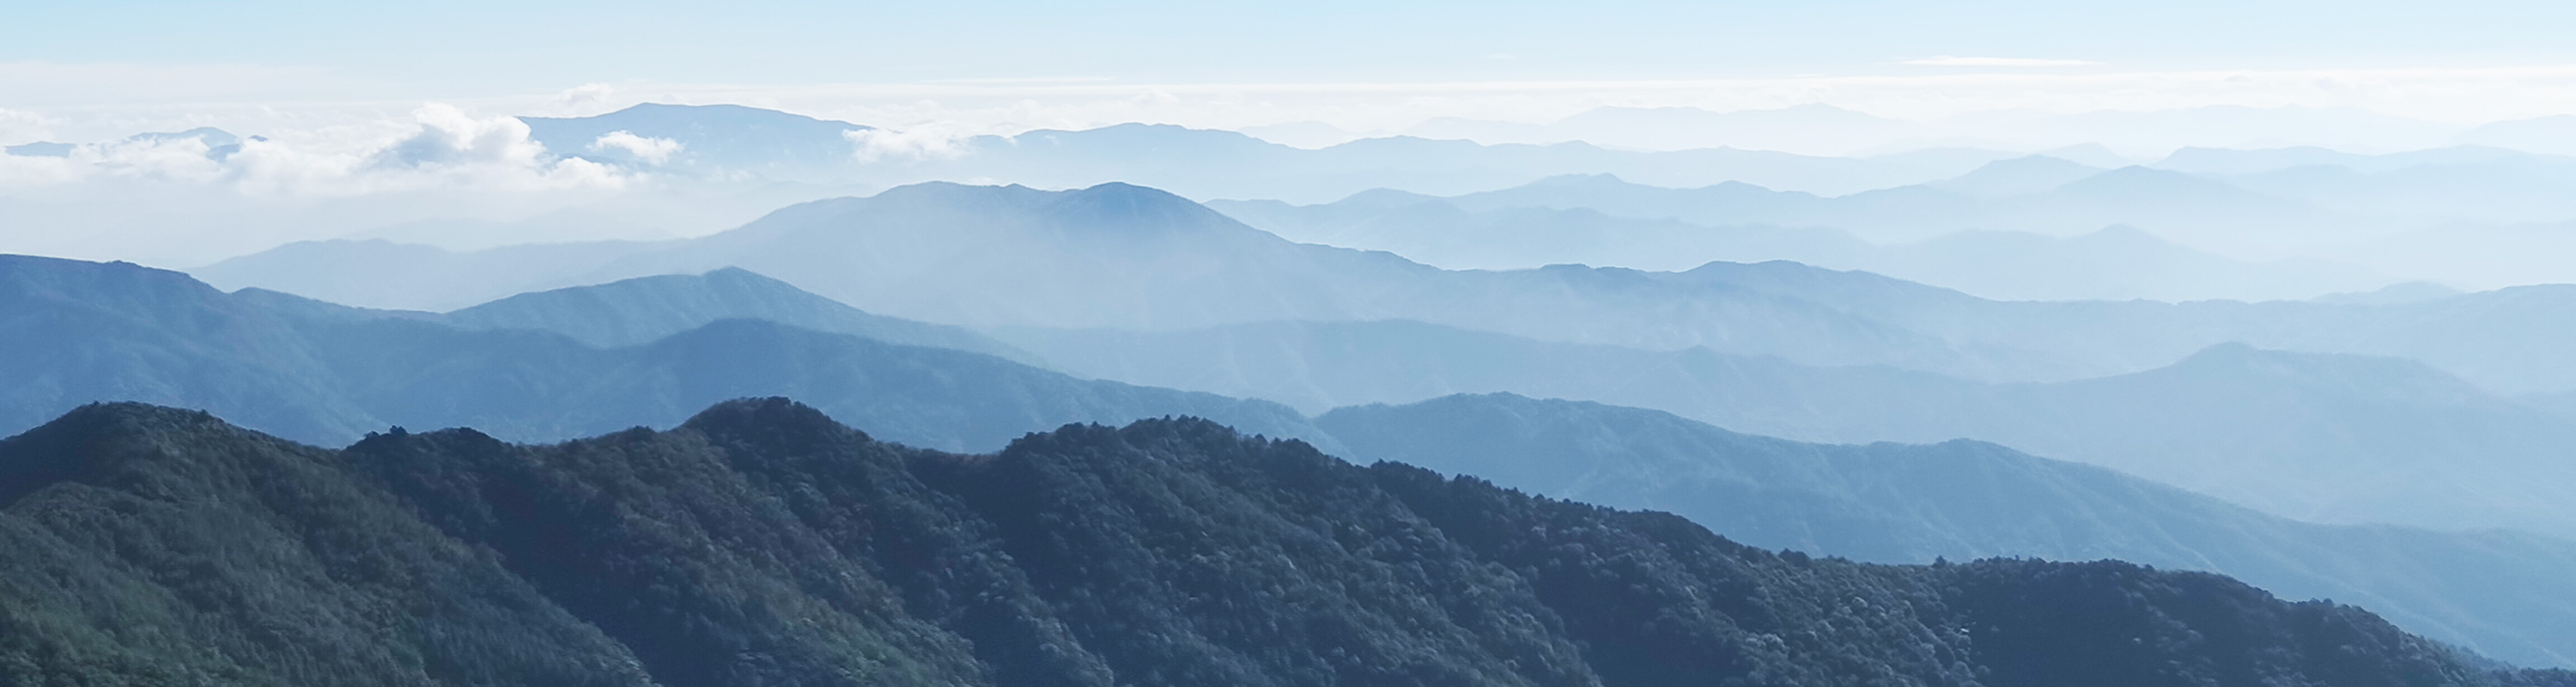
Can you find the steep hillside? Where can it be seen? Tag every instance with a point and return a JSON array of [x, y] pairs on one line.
[[2504, 593], [73, 332], [761, 543]]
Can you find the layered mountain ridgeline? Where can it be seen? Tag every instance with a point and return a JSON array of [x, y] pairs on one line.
[[2191, 209], [2506, 594], [1125, 257], [364, 369], [727, 143], [2320, 437], [82, 332], [2080, 262], [761, 543]]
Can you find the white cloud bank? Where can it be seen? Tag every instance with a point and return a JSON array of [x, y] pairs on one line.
[[920, 142], [441, 147], [176, 201], [645, 148]]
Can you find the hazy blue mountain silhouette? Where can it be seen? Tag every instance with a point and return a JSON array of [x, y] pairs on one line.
[[1196, 162], [2504, 593], [645, 309], [219, 143], [2244, 161], [714, 139], [85, 332], [2323, 437], [2554, 134], [1122, 256], [384, 274], [365, 369], [2202, 212], [1125, 256], [1812, 127], [2018, 176], [2114, 263], [78, 332], [2472, 186]]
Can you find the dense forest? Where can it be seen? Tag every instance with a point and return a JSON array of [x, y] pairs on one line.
[[761, 543]]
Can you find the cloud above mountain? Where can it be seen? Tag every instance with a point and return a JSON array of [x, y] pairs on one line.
[[914, 143], [653, 150], [441, 146]]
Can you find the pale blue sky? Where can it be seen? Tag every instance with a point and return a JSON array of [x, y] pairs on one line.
[[490, 45], [99, 69]]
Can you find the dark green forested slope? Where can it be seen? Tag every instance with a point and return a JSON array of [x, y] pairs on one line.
[[2506, 594], [761, 543]]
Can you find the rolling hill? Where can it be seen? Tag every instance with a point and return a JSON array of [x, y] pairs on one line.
[[83, 332]]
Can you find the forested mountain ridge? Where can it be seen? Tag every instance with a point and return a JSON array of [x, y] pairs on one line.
[[762, 543], [2504, 593]]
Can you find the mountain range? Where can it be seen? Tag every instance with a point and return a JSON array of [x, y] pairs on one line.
[[2320, 437], [1118, 256], [1914, 503], [1818, 128], [762, 543], [593, 359], [2200, 212], [2119, 262], [714, 141], [543, 366]]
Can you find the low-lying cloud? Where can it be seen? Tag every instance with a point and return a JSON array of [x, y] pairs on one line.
[[443, 146], [920, 142], [645, 148]]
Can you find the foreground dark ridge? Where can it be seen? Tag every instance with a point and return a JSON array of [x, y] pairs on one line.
[[762, 543]]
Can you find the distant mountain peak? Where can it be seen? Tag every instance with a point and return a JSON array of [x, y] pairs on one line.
[[673, 112], [1131, 207]]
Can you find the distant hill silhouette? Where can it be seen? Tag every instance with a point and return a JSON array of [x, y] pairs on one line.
[[713, 139], [86, 332], [2322, 437], [1128, 257], [776, 146], [2115, 263], [637, 352]]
